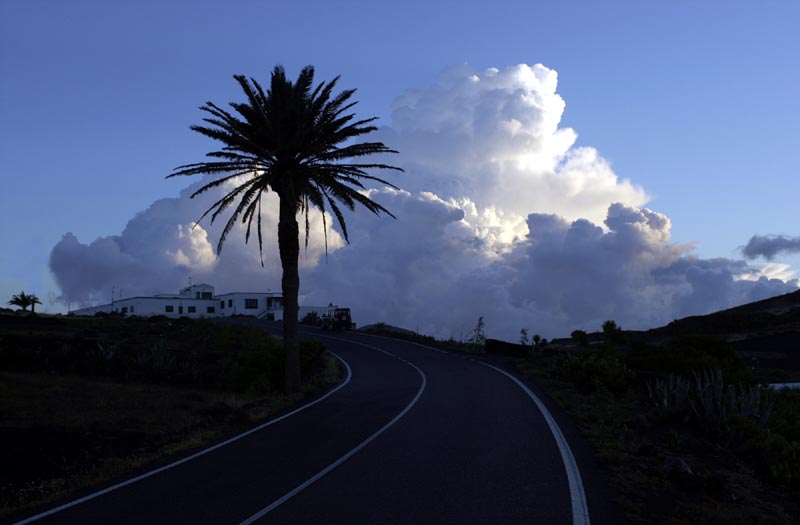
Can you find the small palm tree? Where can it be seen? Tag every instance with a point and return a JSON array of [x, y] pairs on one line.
[[33, 302], [22, 300], [296, 140]]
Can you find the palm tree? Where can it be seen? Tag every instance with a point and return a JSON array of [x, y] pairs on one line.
[[33, 302], [22, 300], [296, 140]]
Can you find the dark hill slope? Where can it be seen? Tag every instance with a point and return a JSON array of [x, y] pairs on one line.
[[771, 316], [766, 333]]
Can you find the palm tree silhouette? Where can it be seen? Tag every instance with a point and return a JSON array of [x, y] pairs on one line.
[[22, 300], [33, 302], [295, 140]]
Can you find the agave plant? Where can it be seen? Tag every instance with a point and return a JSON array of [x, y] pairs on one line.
[[161, 358], [710, 400], [105, 353], [669, 394], [754, 402], [706, 397]]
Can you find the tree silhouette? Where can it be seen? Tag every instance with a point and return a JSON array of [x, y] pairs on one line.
[[296, 140], [479, 333], [33, 302], [22, 300]]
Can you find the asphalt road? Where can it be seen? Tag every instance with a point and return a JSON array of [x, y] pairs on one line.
[[413, 436]]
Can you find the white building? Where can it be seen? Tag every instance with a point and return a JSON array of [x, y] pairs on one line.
[[198, 300]]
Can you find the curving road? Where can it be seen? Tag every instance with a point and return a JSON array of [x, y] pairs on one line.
[[412, 435]]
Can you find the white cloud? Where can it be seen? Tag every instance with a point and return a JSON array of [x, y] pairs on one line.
[[501, 216], [494, 137]]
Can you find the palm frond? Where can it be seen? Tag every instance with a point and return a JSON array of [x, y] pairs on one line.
[[295, 138]]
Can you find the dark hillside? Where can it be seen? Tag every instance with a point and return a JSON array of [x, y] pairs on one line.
[[765, 333], [771, 316]]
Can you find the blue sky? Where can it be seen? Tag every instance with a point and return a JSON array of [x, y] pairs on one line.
[[694, 101]]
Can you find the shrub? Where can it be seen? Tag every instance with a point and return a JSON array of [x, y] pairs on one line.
[[773, 457], [311, 318], [310, 351], [784, 419], [261, 370], [611, 328], [612, 335], [185, 352], [580, 337], [598, 371], [688, 354], [256, 371]]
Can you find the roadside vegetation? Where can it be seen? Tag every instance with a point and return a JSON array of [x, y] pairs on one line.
[[683, 432], [311, 319], [86, 400]]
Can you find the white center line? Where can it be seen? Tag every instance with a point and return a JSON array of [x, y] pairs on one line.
[[283, 499]]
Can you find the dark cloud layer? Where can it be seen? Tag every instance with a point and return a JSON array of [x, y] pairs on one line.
[[768, 246]]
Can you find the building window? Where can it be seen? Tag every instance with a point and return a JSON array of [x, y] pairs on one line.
[[197, 295], [251, 304], [124, 309], [230, 303], [131, 309], [222, 305], [192, 309], [210, 310], [207, 295], [269, 304], [169, 308], [180, 309]]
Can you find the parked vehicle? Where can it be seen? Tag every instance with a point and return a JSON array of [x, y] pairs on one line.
[[337, 318]]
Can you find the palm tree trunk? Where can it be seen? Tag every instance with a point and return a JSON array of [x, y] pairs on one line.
[[289, 247]]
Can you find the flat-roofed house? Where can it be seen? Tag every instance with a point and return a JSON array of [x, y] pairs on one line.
[[197, 300]]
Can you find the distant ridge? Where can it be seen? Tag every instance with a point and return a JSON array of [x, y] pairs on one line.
[[765, 333], [776, 315]]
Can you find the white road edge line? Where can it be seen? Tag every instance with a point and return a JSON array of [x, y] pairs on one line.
[[283, 499], [193, 456], [580, 510]]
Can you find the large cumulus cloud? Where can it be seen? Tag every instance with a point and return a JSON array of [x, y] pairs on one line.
[[432, 273], [501, 216], [492, 142]]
